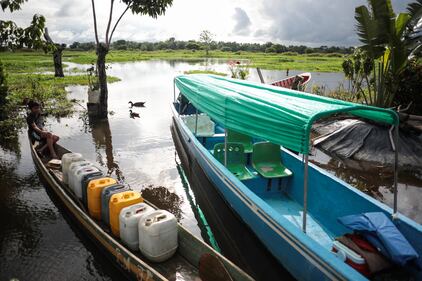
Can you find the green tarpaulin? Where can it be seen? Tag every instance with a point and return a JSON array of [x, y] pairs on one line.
[[272, 113]]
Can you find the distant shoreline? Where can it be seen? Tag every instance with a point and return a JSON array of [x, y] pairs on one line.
[[315, 62]]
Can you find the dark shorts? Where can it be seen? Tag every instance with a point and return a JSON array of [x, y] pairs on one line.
[[35, 136]]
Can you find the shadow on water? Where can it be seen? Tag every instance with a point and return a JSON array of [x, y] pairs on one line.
[[236, 240], [162, 198]]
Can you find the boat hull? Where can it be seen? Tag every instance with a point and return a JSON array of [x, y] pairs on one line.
[[300, 255], [234, 237]]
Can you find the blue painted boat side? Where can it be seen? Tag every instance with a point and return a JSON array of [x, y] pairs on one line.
[[302, 256], [299, 254]]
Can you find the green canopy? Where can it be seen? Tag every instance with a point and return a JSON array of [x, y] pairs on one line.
[[276, 114]]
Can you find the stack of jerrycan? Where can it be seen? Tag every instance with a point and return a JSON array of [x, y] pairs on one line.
[[67, 160], [106, 194], [77, 176], [85, 183], [118, 201], [129, 220], [72, 170], [94, 189], [158, 235]]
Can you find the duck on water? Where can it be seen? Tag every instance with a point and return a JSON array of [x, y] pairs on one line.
[[137, 104], [133, 115]]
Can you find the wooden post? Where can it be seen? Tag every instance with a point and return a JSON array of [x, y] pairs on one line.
[[260, 75]]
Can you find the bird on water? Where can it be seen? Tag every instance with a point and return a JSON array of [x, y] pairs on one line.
[[134, 114], [137, 104]]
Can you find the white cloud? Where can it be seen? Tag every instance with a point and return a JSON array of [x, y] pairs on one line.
[[243, 22], [323, 22]]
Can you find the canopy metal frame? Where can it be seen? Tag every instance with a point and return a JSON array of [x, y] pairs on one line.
[[305, 161]]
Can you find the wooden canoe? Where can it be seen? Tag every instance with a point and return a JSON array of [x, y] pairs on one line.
[[194, 260], [290, 81]]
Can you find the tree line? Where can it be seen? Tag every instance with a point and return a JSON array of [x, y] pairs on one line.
[[173, 44]]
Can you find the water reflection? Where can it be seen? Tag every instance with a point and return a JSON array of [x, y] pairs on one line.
[[206, 231], [162, 198], [35, 241], [101, 135]]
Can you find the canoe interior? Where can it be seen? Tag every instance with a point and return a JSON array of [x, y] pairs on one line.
[[184, 264], [328, 197]]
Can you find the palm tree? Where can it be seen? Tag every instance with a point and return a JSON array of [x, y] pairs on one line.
[[388, 40], [414, 30]]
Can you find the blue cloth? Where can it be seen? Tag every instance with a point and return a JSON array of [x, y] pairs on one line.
[[380, 231]]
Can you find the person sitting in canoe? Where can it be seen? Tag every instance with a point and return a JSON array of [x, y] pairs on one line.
[[37, 132]]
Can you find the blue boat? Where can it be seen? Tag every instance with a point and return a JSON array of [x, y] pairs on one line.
[[252, 141]]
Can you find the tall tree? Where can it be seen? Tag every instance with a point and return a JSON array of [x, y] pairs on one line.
[[14, 37], [12, 5], [57, 54], [385, 40], [206, 38], [152, 8]]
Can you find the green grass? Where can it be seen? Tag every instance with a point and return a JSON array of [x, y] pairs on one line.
[[37, 61], [49, 79], [311, 62]]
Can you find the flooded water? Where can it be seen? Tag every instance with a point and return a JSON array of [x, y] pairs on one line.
[[40, 241]]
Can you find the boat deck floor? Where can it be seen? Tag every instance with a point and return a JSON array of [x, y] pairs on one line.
[[293, 212]]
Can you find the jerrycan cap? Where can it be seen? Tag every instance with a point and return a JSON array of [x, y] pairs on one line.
[[148, 221]]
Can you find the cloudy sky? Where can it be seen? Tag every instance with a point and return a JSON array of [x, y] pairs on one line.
[[309, 22]]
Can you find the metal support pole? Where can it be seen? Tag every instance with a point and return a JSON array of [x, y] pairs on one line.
[[305, 192], [396, 167], [196, 121], [225, 147]]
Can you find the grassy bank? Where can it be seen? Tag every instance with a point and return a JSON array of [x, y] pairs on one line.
[[38, 61], [311, 62]]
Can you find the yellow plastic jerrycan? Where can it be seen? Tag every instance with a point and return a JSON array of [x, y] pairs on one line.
[[94, 195], [119, 201]]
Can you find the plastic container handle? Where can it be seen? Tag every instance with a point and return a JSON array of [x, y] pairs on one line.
[[140, 210], [160, 217]]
